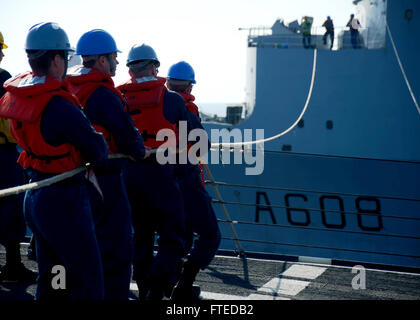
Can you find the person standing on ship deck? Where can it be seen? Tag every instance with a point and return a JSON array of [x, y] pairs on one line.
[[155, 197], [329, 26], [306, 31], [47, 123], [200, 216], [104, 106], [12, 222], [354, 26]]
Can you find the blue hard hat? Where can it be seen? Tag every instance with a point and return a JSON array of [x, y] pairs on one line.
[[96, 41], [182, 71], [47, 36], [141, 52]]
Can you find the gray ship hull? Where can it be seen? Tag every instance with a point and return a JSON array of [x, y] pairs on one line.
[[344, 184]]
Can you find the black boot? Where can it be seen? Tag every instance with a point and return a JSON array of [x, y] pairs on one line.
[[143, 288], [170, 288], [155, 292], [185, 291], [14, 270], [156, 287]]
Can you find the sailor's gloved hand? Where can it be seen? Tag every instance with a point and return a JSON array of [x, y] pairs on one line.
[[147, 153]]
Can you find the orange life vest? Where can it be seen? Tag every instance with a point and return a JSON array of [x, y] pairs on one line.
[[25, 100], [83, 82], [145, 105], [191, 106]]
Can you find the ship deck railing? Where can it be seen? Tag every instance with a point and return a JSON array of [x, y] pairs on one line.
[[264, 38]]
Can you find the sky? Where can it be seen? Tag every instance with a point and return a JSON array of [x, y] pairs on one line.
[[204, 33]]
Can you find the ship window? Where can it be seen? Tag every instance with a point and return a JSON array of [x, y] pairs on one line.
[[409, 14]]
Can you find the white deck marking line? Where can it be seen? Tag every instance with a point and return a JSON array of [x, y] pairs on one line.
[[288, 287], [275, 286], [292, 287], [221, 296], [304, 271]]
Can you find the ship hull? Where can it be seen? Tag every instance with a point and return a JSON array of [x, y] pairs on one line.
[[340, 208]]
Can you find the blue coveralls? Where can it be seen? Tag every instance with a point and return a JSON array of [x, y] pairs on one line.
[[354, 38], [12, 223], [157, 205], [200, 216], [113, 213], [60, 215]]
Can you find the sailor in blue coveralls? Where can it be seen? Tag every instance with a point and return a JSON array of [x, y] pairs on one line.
[[56, 137], [201, 218], [12, 223], [104, 106], [155, 197]]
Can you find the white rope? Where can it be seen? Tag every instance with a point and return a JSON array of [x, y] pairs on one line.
[[40, 184], [308, 98], [402, 69], [55, 179], [66, 175]]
